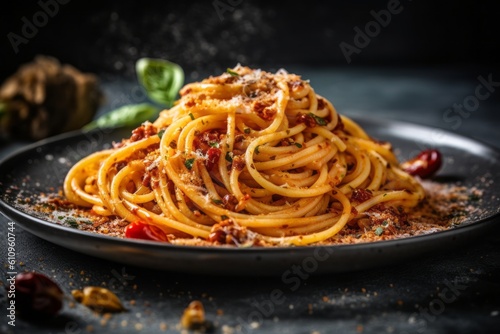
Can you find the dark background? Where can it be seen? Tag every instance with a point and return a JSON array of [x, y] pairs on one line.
[[110, 36], [424, 62]]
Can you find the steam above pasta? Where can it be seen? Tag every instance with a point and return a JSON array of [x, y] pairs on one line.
[[248, 157]]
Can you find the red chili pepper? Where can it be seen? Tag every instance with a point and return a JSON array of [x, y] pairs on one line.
[[141, 230], [37, 295], [213, 155], [424, 164]]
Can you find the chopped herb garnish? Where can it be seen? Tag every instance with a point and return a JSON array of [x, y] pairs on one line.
[[216, 201], [256, 151], [72, 222], [379, 230], [319, 120], [229, 156], [224, 217], [60, 217], [385, 223], [246, 130], [192, 116], [233, 73], [213, 144], [189, 163], [298, 145], [160, 134]]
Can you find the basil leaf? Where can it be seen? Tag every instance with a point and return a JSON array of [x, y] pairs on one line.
[[160, 78], [233, 73], [127, 115]]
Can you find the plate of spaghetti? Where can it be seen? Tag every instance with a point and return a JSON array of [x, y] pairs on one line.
[[253, 172]]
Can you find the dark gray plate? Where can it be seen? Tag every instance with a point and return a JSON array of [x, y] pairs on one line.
[[41, 167]]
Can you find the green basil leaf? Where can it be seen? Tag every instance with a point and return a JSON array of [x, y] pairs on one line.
[[161, 79], [127, 115], [233, 73]]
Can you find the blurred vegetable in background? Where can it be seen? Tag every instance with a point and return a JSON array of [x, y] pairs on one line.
[[44, 98], [161, 80]]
